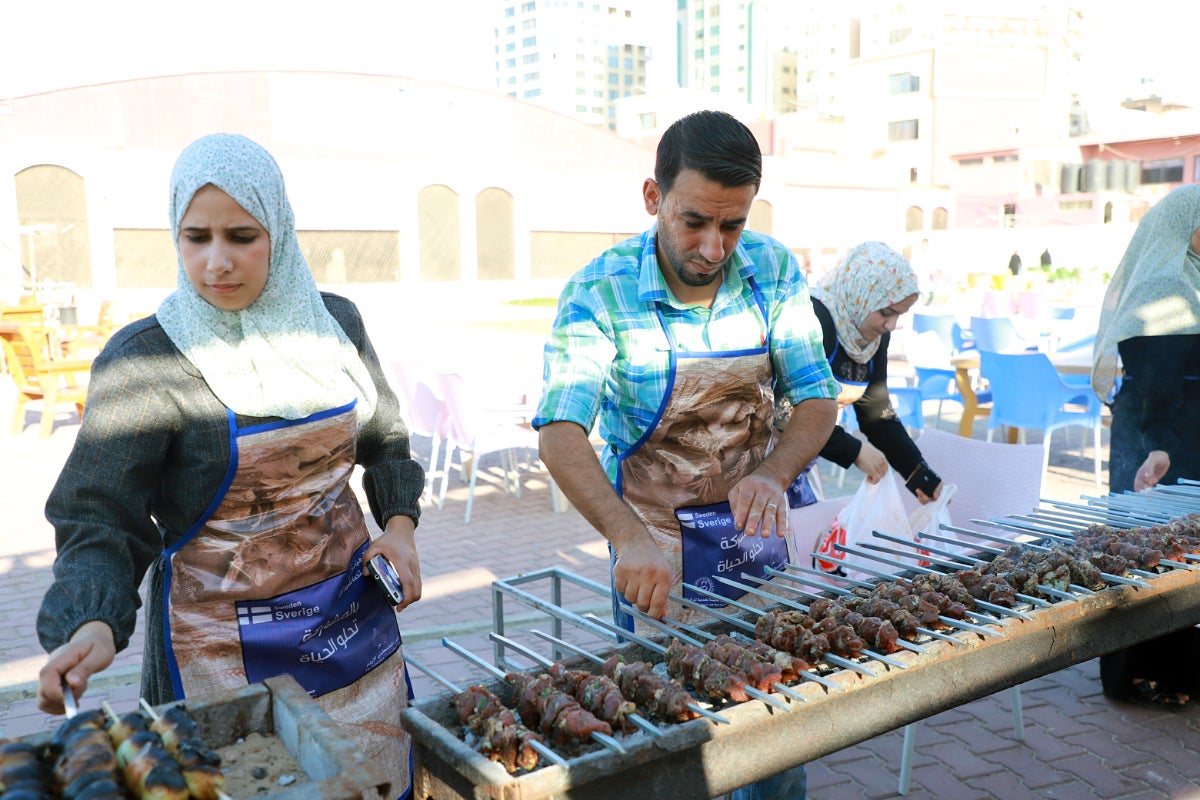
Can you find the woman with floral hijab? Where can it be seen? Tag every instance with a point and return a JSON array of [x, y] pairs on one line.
[[215, 454], [858, 303]]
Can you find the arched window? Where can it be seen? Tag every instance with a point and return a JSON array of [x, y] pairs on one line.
[[438, 222], [53, 226], [941, 219], [495, 234], [1108, 209], [914, 219]]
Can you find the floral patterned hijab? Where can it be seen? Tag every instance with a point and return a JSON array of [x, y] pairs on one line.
[[1156, 288], [284, 355], [872, 276]]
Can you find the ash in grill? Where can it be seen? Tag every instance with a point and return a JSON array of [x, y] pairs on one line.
[[615, 710]]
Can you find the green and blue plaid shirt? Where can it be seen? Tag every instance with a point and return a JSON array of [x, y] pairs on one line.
[[607, 356]]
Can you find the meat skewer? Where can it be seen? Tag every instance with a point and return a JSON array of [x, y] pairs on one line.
[[197, 765], [707, 676], [558, 714], [502, 737], [763, 673], [953, 623], [811, 649], [880, 633], [597, 693], [971, 562], [661, 697], [787, 662], [974, 602]]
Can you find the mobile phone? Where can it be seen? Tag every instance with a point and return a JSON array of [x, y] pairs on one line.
[[923, 478], [385, 576]]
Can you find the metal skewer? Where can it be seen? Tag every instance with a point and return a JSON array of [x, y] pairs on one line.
[[828, 658], [658, 648], [974, 563], [69, 702], [803, 608], [536, 745], [953, 623], [900, 642], [704, 712], [663, 626], [742, 625], [599, 738], [840, 592], [637, 719], [994, 608], [1107, 576]]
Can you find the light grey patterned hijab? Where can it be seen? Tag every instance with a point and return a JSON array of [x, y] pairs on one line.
[[284, 355], [1156, 288]]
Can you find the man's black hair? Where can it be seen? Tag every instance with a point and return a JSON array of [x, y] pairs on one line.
[[713, 143]]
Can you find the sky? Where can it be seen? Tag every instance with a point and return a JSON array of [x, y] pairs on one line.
[[54, 44]]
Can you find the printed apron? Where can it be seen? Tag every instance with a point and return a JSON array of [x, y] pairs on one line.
[[270, 582], [713, 428]]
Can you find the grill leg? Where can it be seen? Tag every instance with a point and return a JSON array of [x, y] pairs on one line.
[[906, 758], [1017, 713]]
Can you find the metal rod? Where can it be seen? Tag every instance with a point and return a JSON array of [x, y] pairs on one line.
[[637, 719], [803, 608], [1033, 601], [953, 623], [740, 624], [541, 748], [782, 688], [995, 609], [649, 645], [979, 535], [596, 736], [907, 645], [557, 642], [744, 626], [1099, 512], [908, 542], [1044, 532], [843, 593], [829, 658]]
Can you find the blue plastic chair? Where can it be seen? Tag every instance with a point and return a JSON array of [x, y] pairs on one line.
[[1028, 393], [945, 326], [935, 378], [998, 335]]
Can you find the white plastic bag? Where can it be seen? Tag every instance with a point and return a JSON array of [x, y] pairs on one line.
[[874, 507], [928, 517]]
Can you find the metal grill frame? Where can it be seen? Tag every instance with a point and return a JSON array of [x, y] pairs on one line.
[[700, 759]]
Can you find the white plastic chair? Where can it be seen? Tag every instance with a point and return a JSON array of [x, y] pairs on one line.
[[993, 480], [478, 430]]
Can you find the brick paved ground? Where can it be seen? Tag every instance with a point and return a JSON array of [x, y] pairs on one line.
[[1077, 744]]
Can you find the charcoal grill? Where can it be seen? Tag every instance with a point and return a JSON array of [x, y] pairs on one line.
[[706, 758]]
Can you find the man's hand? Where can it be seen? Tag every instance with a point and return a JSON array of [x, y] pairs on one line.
[[398, 544], [760, 506], [1152, 470], [641, 574], [90, 650], [872, 462]]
